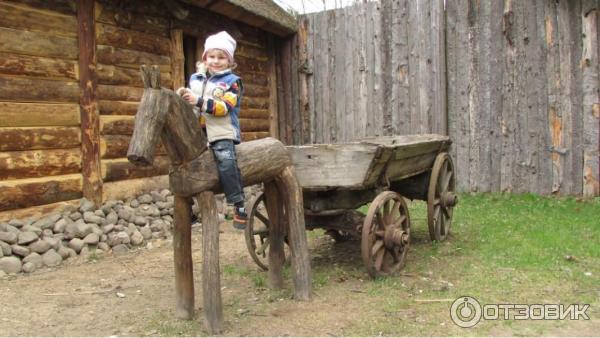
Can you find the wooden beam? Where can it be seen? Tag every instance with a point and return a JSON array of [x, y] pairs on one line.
[[177, 58], [90, 120]]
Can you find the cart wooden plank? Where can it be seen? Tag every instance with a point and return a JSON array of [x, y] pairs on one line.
[[367, 162]]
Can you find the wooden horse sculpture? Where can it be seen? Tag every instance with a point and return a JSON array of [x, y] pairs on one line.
[[193, 173]]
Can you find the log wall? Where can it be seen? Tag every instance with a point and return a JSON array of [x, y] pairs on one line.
[[44, 111], [40, 135]]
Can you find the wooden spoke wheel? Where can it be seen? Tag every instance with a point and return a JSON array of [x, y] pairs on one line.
[[441, 197], [257, 233], [385, 234]]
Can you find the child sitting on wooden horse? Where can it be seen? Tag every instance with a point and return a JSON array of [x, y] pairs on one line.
[[216, 93]]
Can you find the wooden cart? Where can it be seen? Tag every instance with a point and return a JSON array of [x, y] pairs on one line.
[[336, 179]]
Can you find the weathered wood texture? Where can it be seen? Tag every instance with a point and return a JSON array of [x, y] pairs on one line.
[[40, 135], [371, 69], [90, 121], [201, 174], [522, 86], [184, 266]]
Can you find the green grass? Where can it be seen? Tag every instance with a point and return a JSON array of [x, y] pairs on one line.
[[503, 249]]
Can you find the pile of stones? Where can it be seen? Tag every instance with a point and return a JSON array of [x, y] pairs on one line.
[[30, 244], [27, 245]]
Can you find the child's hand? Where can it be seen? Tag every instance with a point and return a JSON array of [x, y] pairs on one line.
[[190, 97], [201, 67]]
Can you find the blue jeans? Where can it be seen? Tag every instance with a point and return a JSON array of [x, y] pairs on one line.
[[229, 173]]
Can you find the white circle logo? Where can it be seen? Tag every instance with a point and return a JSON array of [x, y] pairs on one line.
[[465, 311]]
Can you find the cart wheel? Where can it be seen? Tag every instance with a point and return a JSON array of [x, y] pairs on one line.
[[385, 234], [441, 197], [257, 233]]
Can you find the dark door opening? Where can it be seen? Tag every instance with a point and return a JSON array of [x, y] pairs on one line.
[[189, 55]]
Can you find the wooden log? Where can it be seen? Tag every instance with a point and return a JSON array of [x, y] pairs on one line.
[[26, 18], [263, 114], [40, 211], [255, 103], [124, 18], [272, 106], [254, 125], [257, 78], [184, 266], [292, 199], [211, 275], [39, 163], [115, 146], [90, 124], [67, 7], [122, 190], [119, 93], [36, 114], [201, 173], [33, 138], [37, 90], [114, 75], [276, 234], [121, 169], [130, 39], [177, 59], [38, 66], [16, 194], [37, 44], [116, 125], [110, 55], [251, 65], [106, 107], [256, 90], [251, 136]]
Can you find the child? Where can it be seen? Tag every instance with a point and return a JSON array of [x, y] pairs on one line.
[[216, 91]]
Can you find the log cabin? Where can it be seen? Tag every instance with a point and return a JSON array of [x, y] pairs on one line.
[[70, 86]]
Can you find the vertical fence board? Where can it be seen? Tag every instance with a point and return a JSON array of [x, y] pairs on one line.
[[591, 98]]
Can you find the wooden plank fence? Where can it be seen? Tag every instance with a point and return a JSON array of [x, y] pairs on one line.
[[522, 98], [370, 69], [523, 95]]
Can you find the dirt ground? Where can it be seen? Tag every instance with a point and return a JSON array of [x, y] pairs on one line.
[[133, 295]]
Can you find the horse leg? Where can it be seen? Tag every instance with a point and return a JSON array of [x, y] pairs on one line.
[[276, 235], [292, 196], [211, 282], [184, 269]]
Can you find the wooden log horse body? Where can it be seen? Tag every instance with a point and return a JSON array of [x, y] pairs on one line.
[[162, 113]]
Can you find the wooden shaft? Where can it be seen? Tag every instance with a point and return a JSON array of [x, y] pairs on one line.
[[292, 195], [276, 235], [184, 268], [211, 282]]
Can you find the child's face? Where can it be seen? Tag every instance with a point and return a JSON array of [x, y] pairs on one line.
[[217, 60]]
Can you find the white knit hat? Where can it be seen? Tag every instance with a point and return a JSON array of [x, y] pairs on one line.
[[222, 41]]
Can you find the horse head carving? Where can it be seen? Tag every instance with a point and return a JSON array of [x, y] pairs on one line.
[[163, 114]]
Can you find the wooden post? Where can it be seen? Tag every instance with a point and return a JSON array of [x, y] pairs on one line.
[[90, 119], [292, 195], [177, 73], [211, 282], [276, 235], [184, 268], [273, 91]]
